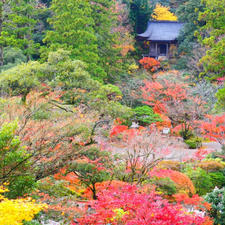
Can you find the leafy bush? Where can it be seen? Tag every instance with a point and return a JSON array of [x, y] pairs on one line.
[[165, 185], [12, 57], [14, 164], [221, 99], [168, 164], [150, 64], [145, 115], [217, 200], [56, 189], [127, 205], [41, 115], [212, 165], [16, 211], [200, 179], [186, 134], [194, 142], [182, 182], [20, 185], [217, 179]]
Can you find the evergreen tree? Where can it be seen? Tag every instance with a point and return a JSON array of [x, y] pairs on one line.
[[140, 11], [72, 25], [188, 14], [212, 36], [105, 23], [16, 26], [86, 29]]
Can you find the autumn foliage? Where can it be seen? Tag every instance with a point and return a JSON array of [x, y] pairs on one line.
[[182, 181], [128, 206], [214, 128], [161, 94], [105, 185], [16, 211], [150, 64], [163, 13]]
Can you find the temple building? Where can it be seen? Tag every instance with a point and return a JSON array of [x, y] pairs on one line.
[[161, 38]]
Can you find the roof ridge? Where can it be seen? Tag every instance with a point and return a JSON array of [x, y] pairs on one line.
[[163, 21]]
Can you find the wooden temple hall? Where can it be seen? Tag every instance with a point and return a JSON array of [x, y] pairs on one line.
[[161, 38]]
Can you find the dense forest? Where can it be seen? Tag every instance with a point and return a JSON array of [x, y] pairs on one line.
[[94, 130]]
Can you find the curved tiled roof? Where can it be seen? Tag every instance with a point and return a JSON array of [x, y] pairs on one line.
[[162, 30]]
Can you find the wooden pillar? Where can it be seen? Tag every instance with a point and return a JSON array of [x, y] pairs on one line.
[[167, 50], [156, 46]]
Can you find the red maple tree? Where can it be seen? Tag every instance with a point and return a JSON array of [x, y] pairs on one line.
[[127, 206]]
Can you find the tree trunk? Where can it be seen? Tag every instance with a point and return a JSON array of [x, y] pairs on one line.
[[94, 192], [1, 24], [1, 56]]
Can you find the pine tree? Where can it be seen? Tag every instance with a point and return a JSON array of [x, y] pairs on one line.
[[107, 37], [86, 29], [72, 25], [140, 11], [16, 26]]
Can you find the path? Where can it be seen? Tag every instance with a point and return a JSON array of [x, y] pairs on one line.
[[179, 151]]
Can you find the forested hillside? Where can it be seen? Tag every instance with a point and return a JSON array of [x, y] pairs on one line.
[[102, 125]]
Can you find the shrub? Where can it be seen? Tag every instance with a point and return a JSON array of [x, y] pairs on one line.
[[145, 115], [150, 64], [14, 212], [194, 142], [217, 179], [56, 189], [41, 115], [200, 179], [168, 164], [14, 164], [211, 165], [129, 206], [165, 185], [182, 181], [186, 133], [217, 200]]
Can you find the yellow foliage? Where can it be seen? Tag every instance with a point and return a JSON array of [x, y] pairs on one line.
[[212, 165], [163, 13], [168, 164], [133, 68], [14, 212]]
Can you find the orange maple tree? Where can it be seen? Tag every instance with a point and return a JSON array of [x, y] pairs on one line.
[[214, 128], [182, 181], [150, 64]]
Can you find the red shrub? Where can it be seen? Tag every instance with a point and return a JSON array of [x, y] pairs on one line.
[[128, 206], [150, 64]]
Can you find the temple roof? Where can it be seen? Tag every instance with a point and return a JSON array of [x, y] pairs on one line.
[[162, 31]]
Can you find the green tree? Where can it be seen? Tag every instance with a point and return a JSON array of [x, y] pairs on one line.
[[221, 99], [140, 12], [94, 169], [16, 26], [212, 36], [14, 164], [12, 57], [200, 179], [188, 14], [145, 115], [188, 49], [72, 25], [87, 30], [71, 76]]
